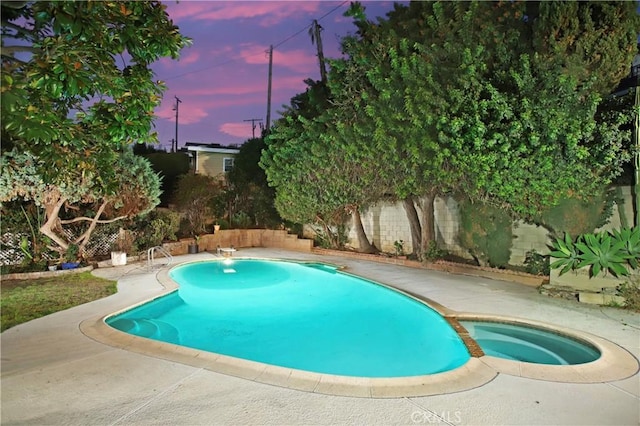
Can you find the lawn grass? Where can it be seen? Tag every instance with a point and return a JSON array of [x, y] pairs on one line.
[[24, 300]]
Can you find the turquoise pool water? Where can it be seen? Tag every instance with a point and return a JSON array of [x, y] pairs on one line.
[[528, 344], [304, 316]]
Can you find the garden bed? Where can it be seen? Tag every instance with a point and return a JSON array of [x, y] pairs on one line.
[[445, 266]]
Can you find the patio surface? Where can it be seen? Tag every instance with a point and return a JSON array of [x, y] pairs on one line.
[[51, 373]]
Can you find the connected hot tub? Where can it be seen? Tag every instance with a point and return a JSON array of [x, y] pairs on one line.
[[529, 344]]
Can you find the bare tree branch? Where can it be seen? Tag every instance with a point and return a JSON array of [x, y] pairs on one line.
[[89, 219], [11, 50]]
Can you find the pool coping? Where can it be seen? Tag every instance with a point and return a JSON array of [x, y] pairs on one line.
[[615, 363]]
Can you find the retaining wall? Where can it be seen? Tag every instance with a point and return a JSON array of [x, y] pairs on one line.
[[240, 238]]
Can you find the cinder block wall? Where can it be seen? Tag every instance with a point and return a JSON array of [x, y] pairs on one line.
[[387, 222]]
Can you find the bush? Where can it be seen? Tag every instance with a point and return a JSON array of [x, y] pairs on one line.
[[575, 216], [617, 252], [433, 252], [193, 198], [241, 220], [630, 290], [536, 263], [155, 227], [486, 231], [328, 238], [170, 166]]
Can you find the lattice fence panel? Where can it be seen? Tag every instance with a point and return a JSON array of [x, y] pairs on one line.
[[10, 251], [101, 240], [100, 244]]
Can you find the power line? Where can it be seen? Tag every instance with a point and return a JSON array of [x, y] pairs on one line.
[[274, 46], [308, 26], [253, 125]]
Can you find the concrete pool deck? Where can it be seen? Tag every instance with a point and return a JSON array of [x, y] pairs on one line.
[[54, 374]]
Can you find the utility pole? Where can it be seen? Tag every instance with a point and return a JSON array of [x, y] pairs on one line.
[[269, 88], [178, 102], [314, 32], [253, 125]]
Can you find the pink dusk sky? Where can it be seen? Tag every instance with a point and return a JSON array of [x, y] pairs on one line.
[[222, 77]]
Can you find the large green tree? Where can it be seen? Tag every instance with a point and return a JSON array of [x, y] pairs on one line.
[[481, 98], [77, 87], [309, 158], [487, 98]]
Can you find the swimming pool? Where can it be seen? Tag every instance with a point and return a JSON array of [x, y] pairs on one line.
[[306, 316], [614, 363]]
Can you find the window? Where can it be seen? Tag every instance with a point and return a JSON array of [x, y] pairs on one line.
[[227, 165]]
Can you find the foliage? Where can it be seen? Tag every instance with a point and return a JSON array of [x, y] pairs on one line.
[[398, 245], [616, 252], [536, 263], [630, 238], [23, 219], [241, 220], [433, 252], [77, 88], [136, 187], [521, 124], [630, 291], [25, 300], [331, 237], [87, 58], [600, 252], [248, 183], [577, 216], [170, 166], [319, 176], [567, 254], [487, 232], [155, 227], [72, 253], [193, 197], [495, 100]]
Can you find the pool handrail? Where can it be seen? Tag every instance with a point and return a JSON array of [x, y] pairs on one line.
[[151, 257]]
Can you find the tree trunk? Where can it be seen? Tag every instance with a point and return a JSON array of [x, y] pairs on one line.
[[52, 214], [414, 224], [363, 241], [333, 242], [428, 221], [84, 238]]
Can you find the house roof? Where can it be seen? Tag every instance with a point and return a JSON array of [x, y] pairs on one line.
[[212, 147]]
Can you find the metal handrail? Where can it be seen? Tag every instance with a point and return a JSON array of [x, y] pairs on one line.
[[151, 257]]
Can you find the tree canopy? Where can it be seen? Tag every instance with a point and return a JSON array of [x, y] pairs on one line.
[[77, 89], [76, 80], [137, 191], [495, 100]]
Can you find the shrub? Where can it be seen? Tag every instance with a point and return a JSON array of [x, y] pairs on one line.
[[536, 263], [241, 220], [433, 252], [193, 197], [630, 290], [576, 216], [616, 252], [155, 227], [486, 231], [170, 166]]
